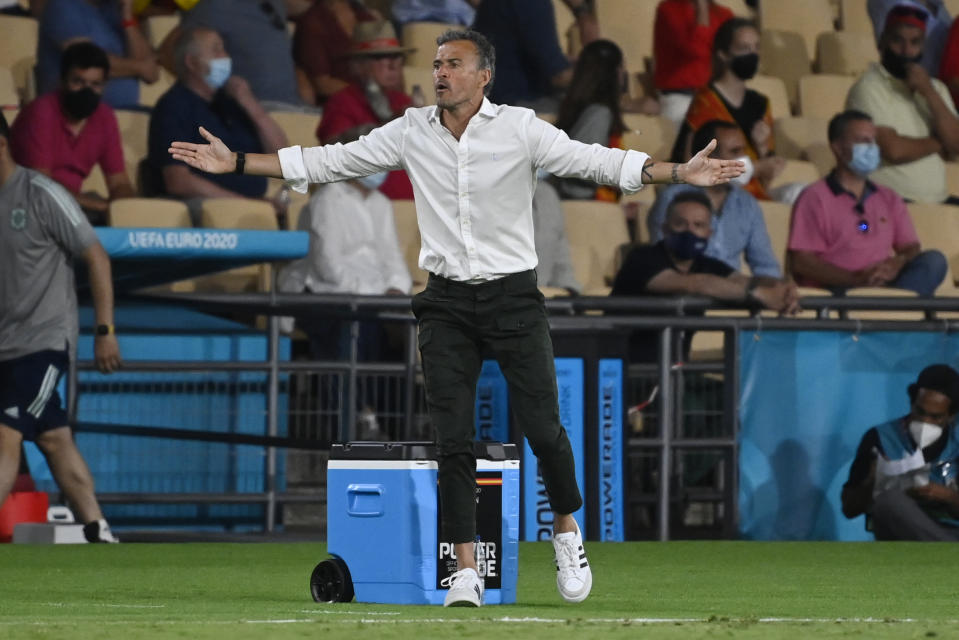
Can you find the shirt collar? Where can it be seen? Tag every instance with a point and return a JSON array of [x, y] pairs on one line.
[[898, 84], [833, 183], [487, 109]]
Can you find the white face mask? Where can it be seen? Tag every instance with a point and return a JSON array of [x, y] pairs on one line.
[[747, 175], [924, 433]]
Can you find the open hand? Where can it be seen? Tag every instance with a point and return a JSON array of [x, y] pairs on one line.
[[212, 158], [703, 171], [106, 352]]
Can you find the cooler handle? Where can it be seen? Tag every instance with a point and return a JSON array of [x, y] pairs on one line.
[[364, 500]]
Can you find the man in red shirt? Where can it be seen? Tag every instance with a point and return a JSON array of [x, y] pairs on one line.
[[682, 49], [376, 97], [64, 133]]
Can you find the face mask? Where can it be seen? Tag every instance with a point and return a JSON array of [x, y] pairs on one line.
[[924, 433], [745, 66], [685, 245], [80, 104], [865, 158], [747, 175], [373, 182], [219, 73], [896, 64]]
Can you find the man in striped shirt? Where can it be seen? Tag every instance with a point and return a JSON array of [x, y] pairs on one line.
[[42, 230]]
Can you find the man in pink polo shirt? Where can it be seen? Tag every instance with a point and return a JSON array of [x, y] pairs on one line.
[[848, 231], [64, 133]]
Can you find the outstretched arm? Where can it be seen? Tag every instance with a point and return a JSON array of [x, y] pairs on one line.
[[701, 170], [216, 157]]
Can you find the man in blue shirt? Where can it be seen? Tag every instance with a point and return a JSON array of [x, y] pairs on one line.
[[738, 227]]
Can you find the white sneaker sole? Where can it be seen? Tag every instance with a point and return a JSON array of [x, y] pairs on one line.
[[581, 595]]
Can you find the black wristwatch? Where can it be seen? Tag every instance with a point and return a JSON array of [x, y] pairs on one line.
[[104, 330], [240, 162]]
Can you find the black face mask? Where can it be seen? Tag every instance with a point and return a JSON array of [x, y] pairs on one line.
[[685, 245], [897, 64], [80, 104], [745, 66]]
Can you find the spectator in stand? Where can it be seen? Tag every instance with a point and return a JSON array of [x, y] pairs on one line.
[[531, 67], [43, 232], [949, 69], [738, 228], [459, 12], [372, 99], [256, 37], [110, 25], [848, 231], [64, 133], [677, 265], [207, 94], [937, 27], [682, 49], [323, 42], [554, 267], [726, 97], [915, 118]]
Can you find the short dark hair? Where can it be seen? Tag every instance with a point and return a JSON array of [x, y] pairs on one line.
[[4, 127], [940, 378], [484, 50], [840, 122], [709, 131], [723, 40], [694, 195], [83, 55]]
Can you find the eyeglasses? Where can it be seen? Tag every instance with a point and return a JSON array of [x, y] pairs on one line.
[[275, 18]]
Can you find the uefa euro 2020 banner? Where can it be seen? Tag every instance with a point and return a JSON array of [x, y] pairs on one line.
[[806, 399]]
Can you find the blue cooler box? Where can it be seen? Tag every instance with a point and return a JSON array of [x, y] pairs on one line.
[[383, 521]]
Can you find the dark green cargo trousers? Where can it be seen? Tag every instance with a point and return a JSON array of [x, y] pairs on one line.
[[507, 318]]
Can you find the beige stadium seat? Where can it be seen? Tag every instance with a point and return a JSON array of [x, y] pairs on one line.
[[937, 226], [422, 36], [595, 231], [238, 213], [422, 77], [134, 132], [629, 23], [823, 95], [952, 178], [783, 54], [18, 49], [796, 134], [776, 215], [9, 96], [408, 233], [300, 128], [821, 155], [883, 292], [854, 18], [845, 52], [952, 6], [775, 90], [796, 171], [150, 93], [654, 135], [148, 212], [809, 18], [158, 27], [565, 21], [10, 114]]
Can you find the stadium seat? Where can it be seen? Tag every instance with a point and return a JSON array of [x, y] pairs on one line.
[[822, 95], [10, 114], [148, 212], [595, 231], [776, 215], [96, 182], [937, 226], [134, 131], [845, 53], [796, 134], [150, 93], [300, 128], [952, 6], [783, 54], [408, 233], [739, 8], [422, 36], [564, 22], [18, 49], [774, 89], [422, 76], [809, 18], [9, 96], [158, 27], [654, 135], [796, 171], [238, 213], [952, 178], [629, 23], [854, 18]]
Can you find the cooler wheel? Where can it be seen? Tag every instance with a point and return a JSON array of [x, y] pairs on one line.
[[331, 582]]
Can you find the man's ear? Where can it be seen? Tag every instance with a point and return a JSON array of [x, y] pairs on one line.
[[487, 76]]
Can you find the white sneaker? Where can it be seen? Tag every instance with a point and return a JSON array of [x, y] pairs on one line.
[[99, 531], [573, 576], [466, 589]]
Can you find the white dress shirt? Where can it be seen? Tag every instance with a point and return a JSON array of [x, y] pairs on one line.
[[473, 195], [353, 245]]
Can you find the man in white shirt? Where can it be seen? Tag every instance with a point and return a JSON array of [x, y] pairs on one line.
[[473, 168]]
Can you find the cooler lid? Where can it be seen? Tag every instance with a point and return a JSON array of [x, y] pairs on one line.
[[415, 451]]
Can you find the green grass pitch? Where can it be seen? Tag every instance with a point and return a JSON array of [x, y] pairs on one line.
[[646, 590]]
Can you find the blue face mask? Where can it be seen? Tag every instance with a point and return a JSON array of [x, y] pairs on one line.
[[219, 73], [865, 158], [373, 182], [685, 245]]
